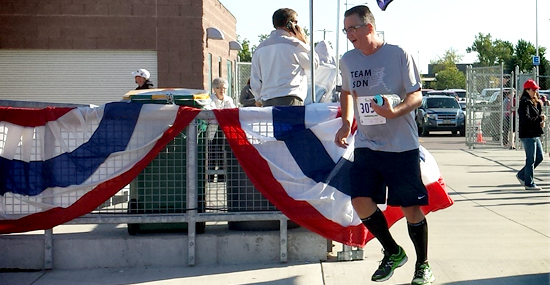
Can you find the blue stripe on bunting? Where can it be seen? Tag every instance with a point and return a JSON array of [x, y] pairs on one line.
[[289, 126], [287, 121], [341, 179], [112, 135], [315, 163]]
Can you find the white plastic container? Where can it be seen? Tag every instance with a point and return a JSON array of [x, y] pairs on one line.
[[393, 99]]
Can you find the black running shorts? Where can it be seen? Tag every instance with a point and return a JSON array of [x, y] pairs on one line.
[[372, 171]]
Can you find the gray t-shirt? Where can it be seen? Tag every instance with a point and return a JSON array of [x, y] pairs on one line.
[[390, 70]]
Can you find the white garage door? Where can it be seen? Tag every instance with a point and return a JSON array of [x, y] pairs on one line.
[[71, 76]]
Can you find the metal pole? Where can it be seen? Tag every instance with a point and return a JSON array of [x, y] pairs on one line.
[[347, 42], [537, 25], [337, 63], [537, 36], [191, 190], [312, 52], [48, 249], [501, 103]]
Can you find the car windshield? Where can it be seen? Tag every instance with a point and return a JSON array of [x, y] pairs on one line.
[[442, 103], [461, 94], [441, 93]]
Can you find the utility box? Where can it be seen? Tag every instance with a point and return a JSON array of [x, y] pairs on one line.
[[161, 188]]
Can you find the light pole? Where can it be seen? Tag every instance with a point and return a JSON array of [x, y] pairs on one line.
[[537, 37], [325, 31]]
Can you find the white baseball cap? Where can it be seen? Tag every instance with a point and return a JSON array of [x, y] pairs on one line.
[[142, 72]]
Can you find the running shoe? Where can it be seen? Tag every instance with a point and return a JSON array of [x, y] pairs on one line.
[[388, 264], [533, 187], [423, 275]]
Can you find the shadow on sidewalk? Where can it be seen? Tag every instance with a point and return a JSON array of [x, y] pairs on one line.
[[540, 278]]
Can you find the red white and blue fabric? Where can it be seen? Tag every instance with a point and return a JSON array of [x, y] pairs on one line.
[[61, 163], [57, 164], [299, 168]]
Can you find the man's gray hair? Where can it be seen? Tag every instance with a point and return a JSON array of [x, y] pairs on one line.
[[363, 12]]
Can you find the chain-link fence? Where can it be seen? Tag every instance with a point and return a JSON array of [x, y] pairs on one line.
[[492, 99], [544, 81], [546, 136], [222, 185], [244, 70], [488, 90]]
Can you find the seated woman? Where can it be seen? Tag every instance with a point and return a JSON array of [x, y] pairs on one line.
[[220, 100]]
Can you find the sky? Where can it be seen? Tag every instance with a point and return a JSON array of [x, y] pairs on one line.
[[424, 28]]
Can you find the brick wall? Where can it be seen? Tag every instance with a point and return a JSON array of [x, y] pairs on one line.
[[174, 28], [216, 15]]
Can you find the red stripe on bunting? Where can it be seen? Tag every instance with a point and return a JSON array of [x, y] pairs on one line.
[[259, 173], [91, 200], [32, 117]]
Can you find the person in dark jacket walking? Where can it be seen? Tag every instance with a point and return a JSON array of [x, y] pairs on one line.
[[531, 123], [142, 79]]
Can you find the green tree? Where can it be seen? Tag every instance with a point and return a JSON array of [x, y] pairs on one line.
[[450, 78], [245, 55], [504, 51], [449, 59], [490, 53], [483, 45], [523, 55], [495, 52], [446, 74]]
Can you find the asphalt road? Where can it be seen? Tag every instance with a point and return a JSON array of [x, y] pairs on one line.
[[443, 141]]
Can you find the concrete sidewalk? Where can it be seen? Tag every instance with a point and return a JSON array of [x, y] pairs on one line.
[[496, 233]]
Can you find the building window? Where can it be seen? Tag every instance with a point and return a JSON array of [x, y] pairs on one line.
[[230, 79], [209, 72], [220, 67]]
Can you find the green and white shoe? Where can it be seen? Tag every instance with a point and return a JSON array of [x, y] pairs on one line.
[[423, 275], [388, 264]]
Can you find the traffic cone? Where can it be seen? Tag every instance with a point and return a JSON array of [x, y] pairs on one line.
[[479, 134]]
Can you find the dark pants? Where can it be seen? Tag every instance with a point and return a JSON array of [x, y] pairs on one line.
[[216, 151], [283, 101]]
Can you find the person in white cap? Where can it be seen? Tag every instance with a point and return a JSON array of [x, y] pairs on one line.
[[142, 79]]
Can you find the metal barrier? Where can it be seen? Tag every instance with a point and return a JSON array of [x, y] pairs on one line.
[[194, 180], [492, 99], [487, 117], [545, 138]]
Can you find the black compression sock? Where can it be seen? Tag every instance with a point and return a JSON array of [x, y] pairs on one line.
[[419, 236], [378, 226]]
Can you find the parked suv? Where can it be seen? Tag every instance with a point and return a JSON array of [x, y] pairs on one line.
[[440, 113], [461, 97]]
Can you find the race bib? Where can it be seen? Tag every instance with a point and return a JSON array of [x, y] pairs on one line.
[[367, 116]]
